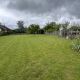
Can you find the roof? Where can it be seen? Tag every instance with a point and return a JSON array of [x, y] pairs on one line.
[[3, 27]]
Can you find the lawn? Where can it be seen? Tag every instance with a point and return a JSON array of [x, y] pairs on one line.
[[38, 57]]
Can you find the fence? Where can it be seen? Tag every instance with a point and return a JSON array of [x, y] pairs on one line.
[[66, 34]]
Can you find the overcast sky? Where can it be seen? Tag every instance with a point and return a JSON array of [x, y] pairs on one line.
[[39, 11]]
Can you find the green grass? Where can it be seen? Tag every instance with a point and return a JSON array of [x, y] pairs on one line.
[[38, 57]]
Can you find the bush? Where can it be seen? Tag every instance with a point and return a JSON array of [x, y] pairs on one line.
[[76, 45]]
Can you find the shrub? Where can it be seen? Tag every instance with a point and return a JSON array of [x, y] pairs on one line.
[[76, 45]]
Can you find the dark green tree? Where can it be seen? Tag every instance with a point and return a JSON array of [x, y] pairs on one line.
[[75, 28], [51, 27], [33, 29], [21, 28]]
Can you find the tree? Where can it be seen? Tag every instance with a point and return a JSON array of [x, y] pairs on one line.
[[41, 31], [63, 29], [50, 27], [33, 29], [75, 28], [21, 26], [65, 25]]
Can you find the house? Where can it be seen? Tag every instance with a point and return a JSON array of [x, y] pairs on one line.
[[4, 30], [69, 32], [73, 34]]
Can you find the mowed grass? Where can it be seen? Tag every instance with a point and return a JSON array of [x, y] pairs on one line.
[[38, 57]]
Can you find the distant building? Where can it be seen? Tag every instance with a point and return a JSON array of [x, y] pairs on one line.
[[4, 30], [69, 33]]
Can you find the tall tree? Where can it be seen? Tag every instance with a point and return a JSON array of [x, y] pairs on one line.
[[21, 26]]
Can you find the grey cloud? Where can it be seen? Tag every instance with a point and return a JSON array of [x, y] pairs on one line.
[[45, 6], [74, 9], [37, 5]]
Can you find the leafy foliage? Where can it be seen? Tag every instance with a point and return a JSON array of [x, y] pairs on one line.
[[50, 27], [33, 29], [20, 27], [76, 45], [75, 28]]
